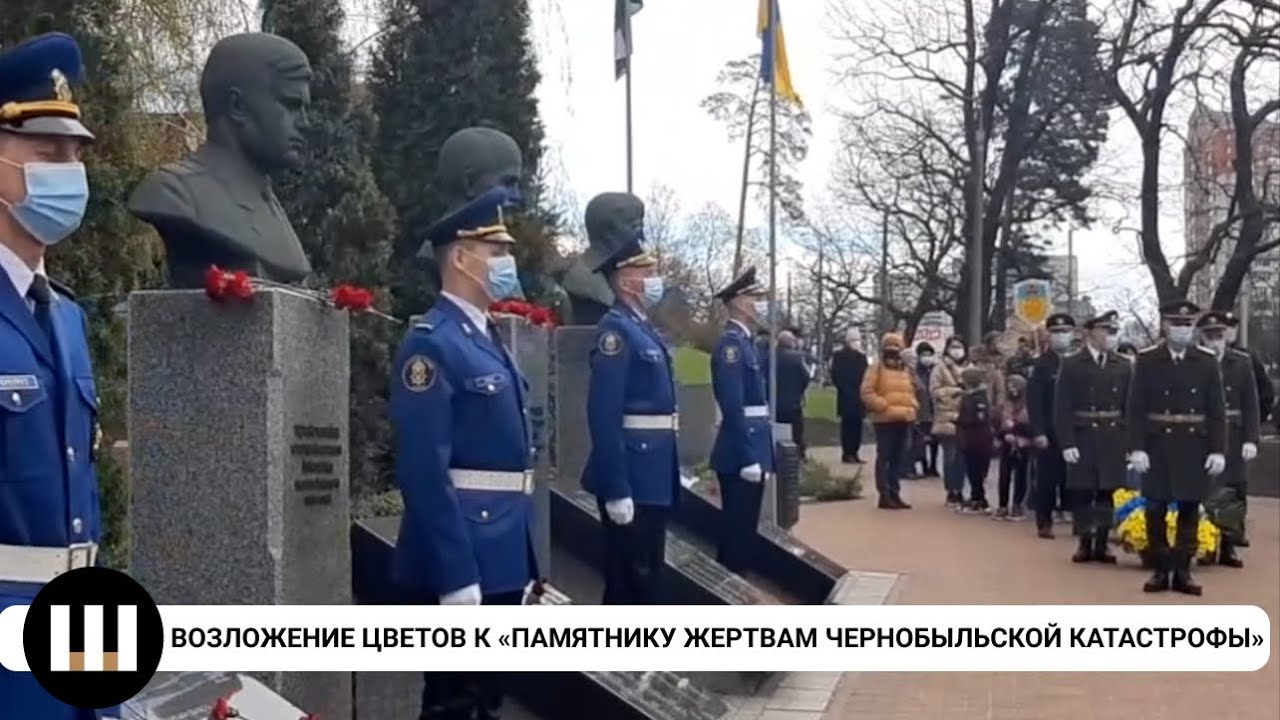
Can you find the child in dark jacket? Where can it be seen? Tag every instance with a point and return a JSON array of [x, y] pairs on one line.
[[975, 431], [1016, 449]]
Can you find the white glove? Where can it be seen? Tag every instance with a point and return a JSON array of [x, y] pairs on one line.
[[1248, 451], [469, 595], [752, 473], [621, 511], [1215, 463], [1140, 461], [1071, 455]]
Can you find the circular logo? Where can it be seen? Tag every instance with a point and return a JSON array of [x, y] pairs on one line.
[[93, 638]]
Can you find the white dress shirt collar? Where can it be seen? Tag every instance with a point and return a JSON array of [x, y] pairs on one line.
[[1176, 354], [20, 274], [745, 330], [479, 318]]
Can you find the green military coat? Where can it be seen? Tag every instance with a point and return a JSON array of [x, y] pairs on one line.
[[1177, 414]]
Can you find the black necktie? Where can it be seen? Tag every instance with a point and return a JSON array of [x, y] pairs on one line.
[[1102, 360], [495, 336], [42, 296]]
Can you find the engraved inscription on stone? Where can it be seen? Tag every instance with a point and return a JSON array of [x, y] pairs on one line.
[[313, 444]]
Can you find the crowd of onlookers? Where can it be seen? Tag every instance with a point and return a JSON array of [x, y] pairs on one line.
[[949, 412]]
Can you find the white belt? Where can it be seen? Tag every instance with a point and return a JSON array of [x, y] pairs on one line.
[[29, 564], [756, 411], [651, 422], [493, 480]]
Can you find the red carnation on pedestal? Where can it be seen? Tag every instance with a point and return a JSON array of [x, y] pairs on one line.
[[222, 285], [351, 297]]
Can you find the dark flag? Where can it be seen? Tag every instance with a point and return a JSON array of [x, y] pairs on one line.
[[622, 12]]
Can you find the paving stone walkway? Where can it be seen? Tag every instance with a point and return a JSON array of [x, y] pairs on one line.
[[947, 559]]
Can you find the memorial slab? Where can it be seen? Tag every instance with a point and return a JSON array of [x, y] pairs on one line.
[[238, 419]]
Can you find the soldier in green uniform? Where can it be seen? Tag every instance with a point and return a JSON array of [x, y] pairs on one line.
[[1089, 422], [1227, 504], [1177, 431]]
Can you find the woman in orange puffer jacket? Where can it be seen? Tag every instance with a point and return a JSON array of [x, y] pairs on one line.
[[890, 398]]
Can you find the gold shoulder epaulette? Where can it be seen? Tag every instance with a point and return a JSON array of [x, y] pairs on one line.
[[1146, 350], [1208, 350]]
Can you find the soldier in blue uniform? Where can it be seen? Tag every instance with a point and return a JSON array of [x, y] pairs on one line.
[[631, 407], [463, 452], [743, 449], [50, 522]]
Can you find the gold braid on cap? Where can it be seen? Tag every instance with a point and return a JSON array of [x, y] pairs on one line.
[[489, 233], [644, 259], [16, 112]]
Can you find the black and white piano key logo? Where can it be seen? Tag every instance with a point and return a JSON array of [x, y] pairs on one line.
[[93, 637]]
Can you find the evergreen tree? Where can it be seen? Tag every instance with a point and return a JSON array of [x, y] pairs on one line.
[[112, 253], [343, 220], [441, 67]]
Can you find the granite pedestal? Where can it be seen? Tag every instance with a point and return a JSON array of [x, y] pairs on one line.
[[238, 418]]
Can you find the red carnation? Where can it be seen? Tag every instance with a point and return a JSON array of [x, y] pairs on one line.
[[215, 282], [539, 316], [239, 286], [222, 710]]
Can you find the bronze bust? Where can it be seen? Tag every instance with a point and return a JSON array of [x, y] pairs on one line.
[[478, 168], [216, 206]]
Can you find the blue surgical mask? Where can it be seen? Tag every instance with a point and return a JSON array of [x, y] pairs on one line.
[[57, 195], [504, 279], [653, 291], [1111, 343], [1180, 336], [1060, 341], [761, 308]]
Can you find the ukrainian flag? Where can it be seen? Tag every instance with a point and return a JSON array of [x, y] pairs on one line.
[[773, 53]]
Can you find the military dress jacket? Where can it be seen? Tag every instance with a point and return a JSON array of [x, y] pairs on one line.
[[48, 473], [631, 413], [462, 446], [1177, 414], [1240, 390], [1089, 415], [745, 436], [48, 430], [1040, 389]]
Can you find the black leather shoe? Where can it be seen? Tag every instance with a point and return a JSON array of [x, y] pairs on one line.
[[1101, 551], [1159, 582], [902, 505], [1084, 552], [1183, 583], [1227, 555], [887, 503]]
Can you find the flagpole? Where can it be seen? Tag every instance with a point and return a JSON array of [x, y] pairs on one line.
[[629, 171], [773, 222]]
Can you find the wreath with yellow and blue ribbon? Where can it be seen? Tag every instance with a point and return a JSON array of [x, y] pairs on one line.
[[1131, 525]]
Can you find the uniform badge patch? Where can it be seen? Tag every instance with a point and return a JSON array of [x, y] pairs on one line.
[[19, 382], [731, 354], [418, 373], [610, 343]]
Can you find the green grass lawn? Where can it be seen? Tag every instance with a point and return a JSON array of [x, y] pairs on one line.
[[693, 367]]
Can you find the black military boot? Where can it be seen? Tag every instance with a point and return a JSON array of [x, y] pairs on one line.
[[1159, 580], [1045, 530], [1101, 549], [1227, 554], [1182, 581], [1084, 553]]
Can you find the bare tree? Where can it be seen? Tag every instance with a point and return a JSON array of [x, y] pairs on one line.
[[1004, 101], [661, 216], [742, 106], [1154, 56]]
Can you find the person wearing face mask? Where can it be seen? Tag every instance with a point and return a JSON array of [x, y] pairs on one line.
[[463, 456], [1177, 419], [1266, 392], [848, 366], [928, 458], [631, 407], [48, 401], [888, 391], [1227, 505], [946, 391], [1089, 422], [1049, 486], [743, 450]]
